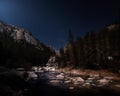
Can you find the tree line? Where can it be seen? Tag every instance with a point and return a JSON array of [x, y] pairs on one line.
[[95, 50]]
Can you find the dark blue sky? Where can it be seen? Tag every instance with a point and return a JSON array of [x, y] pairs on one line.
[[50, 20]]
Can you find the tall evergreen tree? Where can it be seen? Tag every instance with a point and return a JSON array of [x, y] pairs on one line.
[[71, 48], [79, 46]]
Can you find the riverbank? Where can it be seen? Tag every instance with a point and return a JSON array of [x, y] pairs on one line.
[[59, 82]]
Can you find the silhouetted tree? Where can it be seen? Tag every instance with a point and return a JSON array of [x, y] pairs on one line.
[[71, 48]]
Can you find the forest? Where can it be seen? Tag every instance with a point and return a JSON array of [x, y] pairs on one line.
[[95, 50]]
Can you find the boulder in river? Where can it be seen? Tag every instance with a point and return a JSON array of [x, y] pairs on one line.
[[54, 82], [89, 81], [60, 76], [32, 75]]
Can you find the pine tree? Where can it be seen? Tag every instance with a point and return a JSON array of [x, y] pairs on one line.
[[71, 48], [79, 46]]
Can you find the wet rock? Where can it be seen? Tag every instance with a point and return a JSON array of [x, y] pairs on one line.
[[51, 77], [35, 69], [19, 71], [89, 81], [32, 75], [60, 76], [52, 69], [54, 81], [71, 88], [41, 71]]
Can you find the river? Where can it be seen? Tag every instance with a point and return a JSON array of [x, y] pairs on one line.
[[54, 83]]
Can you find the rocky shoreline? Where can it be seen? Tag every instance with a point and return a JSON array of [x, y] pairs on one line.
[[15, 83]]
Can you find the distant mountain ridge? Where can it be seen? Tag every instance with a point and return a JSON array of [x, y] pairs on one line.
[[18, 48], [21, 34]]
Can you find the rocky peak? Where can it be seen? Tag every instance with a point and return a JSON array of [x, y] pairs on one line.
[[19, 34]]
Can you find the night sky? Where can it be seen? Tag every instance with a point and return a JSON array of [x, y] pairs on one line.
[[50, 20]]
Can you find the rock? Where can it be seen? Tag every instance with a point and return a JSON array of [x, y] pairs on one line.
[[76, 83], [62, 73], [41, 71], [90, 78], [51, 77], [87, 85], [32, 75], [54, 81], [117, 85], [60, 76], [40, 68], [52, 69], [103, 81], [71, 88], [93, 84], [19, 71], [73, 79], [79, 79], [109, 77], [66, 78], [100, 85], [68, 81], [35, 68], [89, 81], [96, 76], [46, 68]]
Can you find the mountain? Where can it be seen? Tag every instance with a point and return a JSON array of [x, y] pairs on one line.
[[20, 34], [19, 47]]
